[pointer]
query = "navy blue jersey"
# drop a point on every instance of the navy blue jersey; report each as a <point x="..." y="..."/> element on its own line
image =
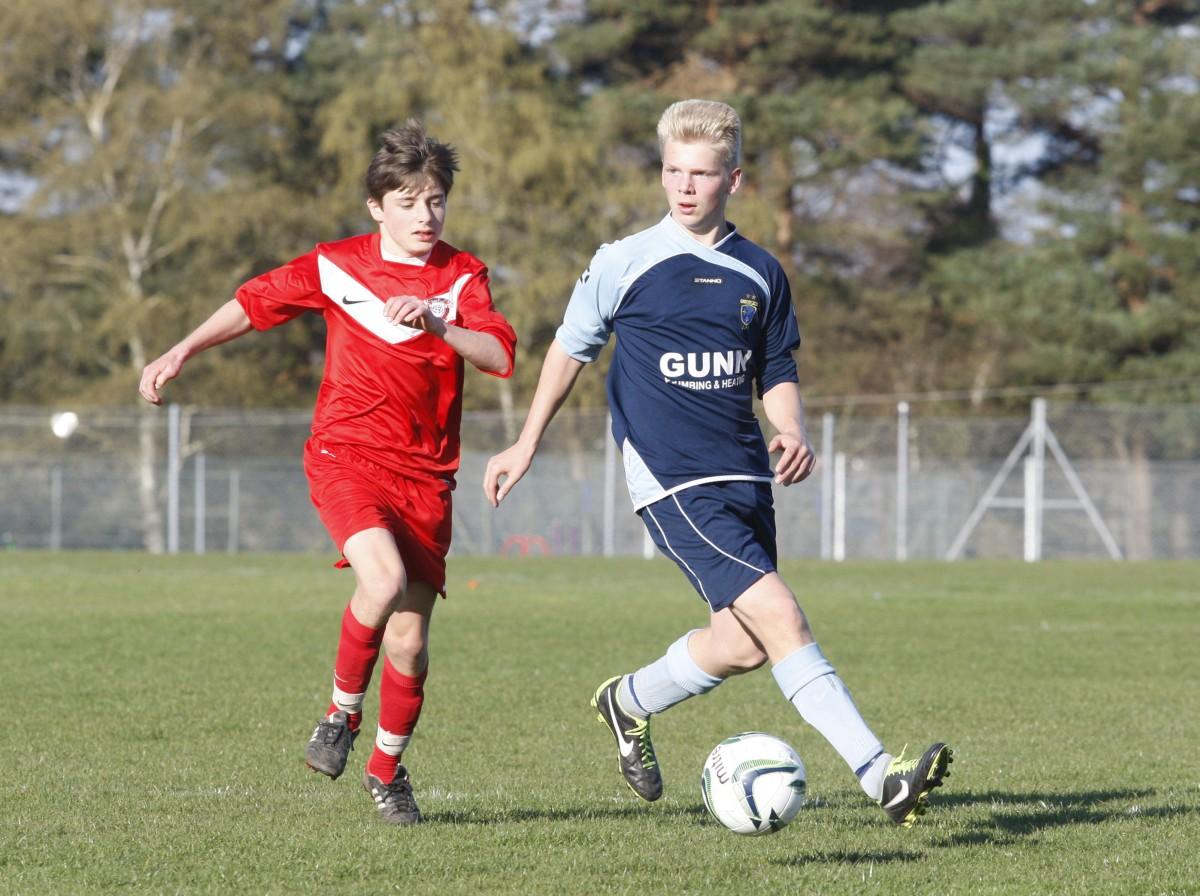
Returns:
<point x="698" y="328"/>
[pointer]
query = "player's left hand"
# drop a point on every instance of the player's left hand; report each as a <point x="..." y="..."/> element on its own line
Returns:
<point x="409" y="311"/>
<point x="504" y="470"/>
<point x="796" y="460"/>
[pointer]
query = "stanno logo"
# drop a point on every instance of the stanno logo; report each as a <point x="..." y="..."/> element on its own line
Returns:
<point x="708" y="281"/>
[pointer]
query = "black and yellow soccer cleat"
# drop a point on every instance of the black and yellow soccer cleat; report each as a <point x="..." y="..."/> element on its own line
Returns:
<point x="635" y="751"/>
<point x="907" y="783"/>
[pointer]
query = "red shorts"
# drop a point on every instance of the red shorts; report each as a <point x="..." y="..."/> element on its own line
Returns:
<point x="352" y="493"/>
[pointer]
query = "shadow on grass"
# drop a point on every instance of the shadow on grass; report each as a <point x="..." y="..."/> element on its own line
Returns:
<point x="1018" y="815"/>
<point x="851" y="857"/>
<point x="580" y="813"/>
<point x="1014" y="817"/>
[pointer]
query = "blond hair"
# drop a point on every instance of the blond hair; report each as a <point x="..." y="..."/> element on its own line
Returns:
<point x="703" y="121"/>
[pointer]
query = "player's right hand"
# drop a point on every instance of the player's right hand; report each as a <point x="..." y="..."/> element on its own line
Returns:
<point x="157" y="374"/>
<point x="512" y="464"/>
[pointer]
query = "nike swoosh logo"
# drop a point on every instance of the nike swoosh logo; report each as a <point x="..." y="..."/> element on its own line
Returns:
<point x="346" y="300"/>
<point x="625" y="746"/>
<point x="900" y="797"/>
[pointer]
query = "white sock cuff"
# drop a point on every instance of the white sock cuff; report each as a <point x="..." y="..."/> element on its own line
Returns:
<point x="392" y="744"/>
<point x="685" y="672"/>
<point x="801" y="668"/>
<point x="872" y="774"/>
<point x="351" y="703"/>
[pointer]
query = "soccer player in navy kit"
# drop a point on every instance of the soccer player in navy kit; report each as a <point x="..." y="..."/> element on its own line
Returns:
<point x="703" y="316"/>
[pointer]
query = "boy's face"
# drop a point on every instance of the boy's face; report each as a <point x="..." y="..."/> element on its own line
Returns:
<point x="410" y="221"/>
<point x="698" y="184"/>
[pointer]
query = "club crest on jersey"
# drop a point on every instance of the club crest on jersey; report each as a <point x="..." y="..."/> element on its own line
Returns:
<point x="747" y="308"/>
<point x="438" y="306"/>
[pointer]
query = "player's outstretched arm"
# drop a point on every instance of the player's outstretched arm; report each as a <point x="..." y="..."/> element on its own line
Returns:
<point x="227" y="322"/>
<point x="558" y="375"/>
<point x="785" y="410"/>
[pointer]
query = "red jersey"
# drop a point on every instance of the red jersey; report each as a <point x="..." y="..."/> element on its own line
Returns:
<point x="392" y="392"/>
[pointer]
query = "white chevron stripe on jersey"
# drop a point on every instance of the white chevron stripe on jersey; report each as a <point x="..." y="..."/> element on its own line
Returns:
<point x="366" y="308"/>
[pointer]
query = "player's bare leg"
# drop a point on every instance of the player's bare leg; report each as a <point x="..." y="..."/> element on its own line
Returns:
<point x="380" y="577"/>
<point x="379" y="580"/>
<point x="401" y="696"/>
<point x="769" y="611"/>
<point x="725" y="647"/>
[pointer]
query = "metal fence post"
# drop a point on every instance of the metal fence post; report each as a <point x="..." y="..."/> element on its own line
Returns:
<point x="902" y="481"/>
<point x="173" y="479"/>
<point x="56" y="508"/>
<point x="826" y="486"/>
<point x="198" y="508"/>
<point x="1035" y="482"/>
<point x="610" y="487"/>
<point x="235" y="500"/>
<point x="839" y="507"/>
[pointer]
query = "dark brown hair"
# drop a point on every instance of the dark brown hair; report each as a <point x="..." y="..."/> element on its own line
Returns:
<point x="408" y="159"/>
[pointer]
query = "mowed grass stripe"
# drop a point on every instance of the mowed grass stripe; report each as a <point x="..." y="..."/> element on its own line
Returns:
<point x="157" y="710"/>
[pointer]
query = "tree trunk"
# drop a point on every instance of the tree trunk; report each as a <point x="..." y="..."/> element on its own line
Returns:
<point x="507" y="411"/>
<point x="980" y="203"/>
<point x="785" y="213"/>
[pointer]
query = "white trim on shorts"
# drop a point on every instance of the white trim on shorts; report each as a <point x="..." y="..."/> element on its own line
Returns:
<point x="679" y="559"/>
<point x="683" y="513"/>
<point x="638" y="504"/>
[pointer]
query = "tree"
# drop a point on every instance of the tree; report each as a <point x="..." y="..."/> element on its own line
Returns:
<point x="135" y="125"/>
<point x="825" y="128"/>
<point x="1106" y="289"/>
<point x="530" y="200"/>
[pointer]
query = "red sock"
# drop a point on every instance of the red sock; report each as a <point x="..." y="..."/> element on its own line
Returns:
<point x="400" y="700"/>
<point x="358" y="648"/>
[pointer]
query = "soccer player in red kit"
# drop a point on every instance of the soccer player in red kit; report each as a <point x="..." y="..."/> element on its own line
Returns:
<point x="403" y="311"/>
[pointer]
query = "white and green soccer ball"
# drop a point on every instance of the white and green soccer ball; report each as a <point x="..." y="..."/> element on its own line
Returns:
<point x="753" y="783"/>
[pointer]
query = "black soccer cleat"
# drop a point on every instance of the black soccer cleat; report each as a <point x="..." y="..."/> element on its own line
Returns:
<point x="330" y="745"/>
<point x="907" y="784"/>
<point x="394" y="801"/>
<point x="635" y="751"/>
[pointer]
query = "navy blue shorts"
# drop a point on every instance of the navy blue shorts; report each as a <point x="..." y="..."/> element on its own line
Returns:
<point x="722" y="535"/>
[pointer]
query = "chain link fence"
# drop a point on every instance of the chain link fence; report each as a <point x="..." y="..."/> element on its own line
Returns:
<point x="1086" y="482"/>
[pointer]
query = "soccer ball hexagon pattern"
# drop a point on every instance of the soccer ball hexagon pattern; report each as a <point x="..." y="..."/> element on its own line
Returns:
<point x="753" y="783"/>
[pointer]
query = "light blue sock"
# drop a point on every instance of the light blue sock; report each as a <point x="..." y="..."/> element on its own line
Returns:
<point x="871" y="775"/>
<point x="809" y="681"/>
<point x="670" y="679"/>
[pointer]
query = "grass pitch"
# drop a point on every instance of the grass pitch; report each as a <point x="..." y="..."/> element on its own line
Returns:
<point x="156" y="711"/>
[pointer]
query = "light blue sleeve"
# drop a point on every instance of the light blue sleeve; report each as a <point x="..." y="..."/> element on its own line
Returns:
<point x="588" y="321"/>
